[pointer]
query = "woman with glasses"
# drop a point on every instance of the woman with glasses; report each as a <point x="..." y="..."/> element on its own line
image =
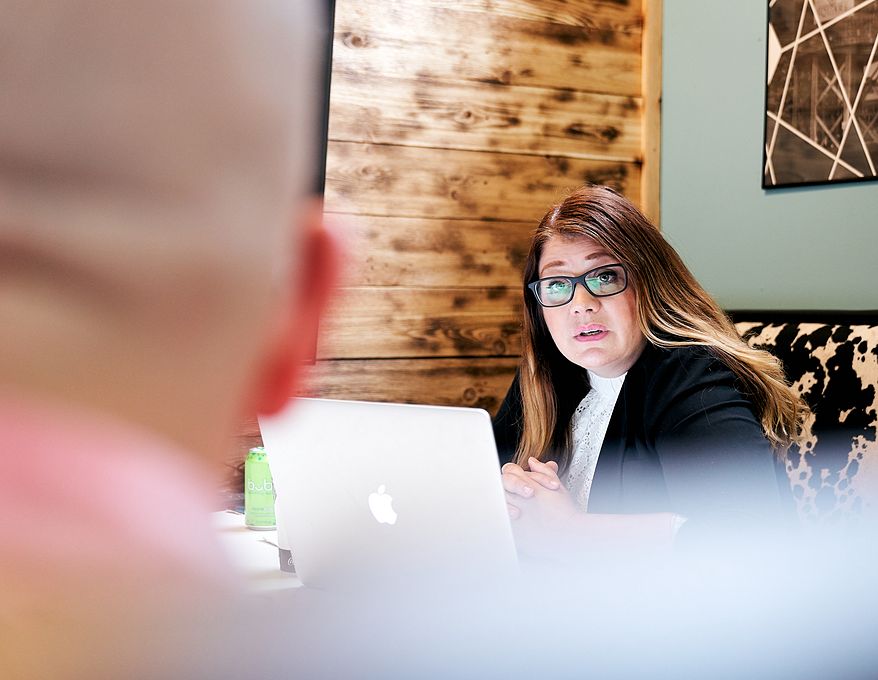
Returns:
<point x="637" y="411"/>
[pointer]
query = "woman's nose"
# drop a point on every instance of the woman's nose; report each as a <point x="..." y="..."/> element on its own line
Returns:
<point x="583" y="301"/>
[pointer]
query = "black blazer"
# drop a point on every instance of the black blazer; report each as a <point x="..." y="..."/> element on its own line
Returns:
<point x="682" y="438"/>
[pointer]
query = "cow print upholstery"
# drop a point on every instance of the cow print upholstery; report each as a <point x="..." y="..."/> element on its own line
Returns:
<point x="834" y="366"/>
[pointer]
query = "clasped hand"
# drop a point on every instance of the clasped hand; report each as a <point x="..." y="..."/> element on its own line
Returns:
<point x="540" y="506"/>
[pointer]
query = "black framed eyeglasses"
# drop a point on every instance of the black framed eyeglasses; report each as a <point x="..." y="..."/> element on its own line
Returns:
<point x="603" y="281"/>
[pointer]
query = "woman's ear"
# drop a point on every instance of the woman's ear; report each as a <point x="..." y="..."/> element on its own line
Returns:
<point x="295" y="338"/>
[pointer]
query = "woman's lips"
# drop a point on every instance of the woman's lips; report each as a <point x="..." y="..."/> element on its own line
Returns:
<point x="590" y="333"/>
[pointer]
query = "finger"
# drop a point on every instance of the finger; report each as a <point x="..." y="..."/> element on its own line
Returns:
<point x="514" y="512"/>
<point x="518" y="484"/>
<point x="512" y="468"/>
<point x="545" y="473"/>
<point x="546" y="481"/>
<point x="550" y="468"/>
<point x="516" y="481"/>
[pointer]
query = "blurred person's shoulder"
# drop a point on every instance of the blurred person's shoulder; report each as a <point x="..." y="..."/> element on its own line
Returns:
<point x="82" y="489"/>
<point x="105" y="533"/>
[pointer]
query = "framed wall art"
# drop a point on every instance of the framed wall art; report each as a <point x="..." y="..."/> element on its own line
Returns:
<point x="821" y="102"/>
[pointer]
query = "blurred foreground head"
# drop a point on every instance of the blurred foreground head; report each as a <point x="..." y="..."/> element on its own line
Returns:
<point x="155" y="224"/>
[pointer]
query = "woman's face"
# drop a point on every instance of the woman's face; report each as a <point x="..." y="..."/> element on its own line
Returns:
<point x="601" y="334"/>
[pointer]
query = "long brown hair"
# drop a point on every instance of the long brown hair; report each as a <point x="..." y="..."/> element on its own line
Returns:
<point x="673" y="310"/>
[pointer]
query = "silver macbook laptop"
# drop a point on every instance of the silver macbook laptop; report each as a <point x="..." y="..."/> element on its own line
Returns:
<point x="387" y="494"/>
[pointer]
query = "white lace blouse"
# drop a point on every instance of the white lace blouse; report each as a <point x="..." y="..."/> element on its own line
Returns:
<point x="588" y="429"/>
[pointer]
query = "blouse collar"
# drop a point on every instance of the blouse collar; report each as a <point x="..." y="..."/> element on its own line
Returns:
<point x="607" y="388"/>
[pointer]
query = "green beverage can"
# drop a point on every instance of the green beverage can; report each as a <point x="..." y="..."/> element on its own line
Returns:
<point x="258" y="491"/>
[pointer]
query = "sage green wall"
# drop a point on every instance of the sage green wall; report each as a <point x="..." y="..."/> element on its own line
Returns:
<point x="802" y="248"/>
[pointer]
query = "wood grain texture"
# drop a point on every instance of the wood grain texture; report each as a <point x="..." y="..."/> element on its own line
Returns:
<point x="377" y="179"/>
<point x="480" y="383"/>
<point x="604" y="15"/>
<point x="476" y="383"/>
<point x="422" y="322"/>
<point x="591" y="48"/>
<point x="410" y="251"/>
<point x="652" y="110"/>
<point x="248" y="431"/>
<point x="482" y="117"/>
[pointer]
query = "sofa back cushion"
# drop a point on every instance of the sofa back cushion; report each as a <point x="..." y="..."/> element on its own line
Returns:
<point x="834" y="366"/>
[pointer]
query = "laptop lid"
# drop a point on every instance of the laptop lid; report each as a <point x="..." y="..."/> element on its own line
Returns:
<point x="387" y="494"/>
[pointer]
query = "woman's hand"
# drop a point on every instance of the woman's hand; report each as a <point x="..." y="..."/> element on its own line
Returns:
<point x="543" y="511"/>
<point x="547" y="524"/>
<point x="520" y="482"/>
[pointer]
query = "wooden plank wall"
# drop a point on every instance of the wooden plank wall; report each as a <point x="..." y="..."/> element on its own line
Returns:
<point x="454" y="126"/>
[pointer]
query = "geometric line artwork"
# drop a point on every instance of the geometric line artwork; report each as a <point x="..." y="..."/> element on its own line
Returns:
<point x="821" y="95"/>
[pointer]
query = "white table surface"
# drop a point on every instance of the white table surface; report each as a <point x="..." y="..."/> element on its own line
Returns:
<point x="253" y="553"/>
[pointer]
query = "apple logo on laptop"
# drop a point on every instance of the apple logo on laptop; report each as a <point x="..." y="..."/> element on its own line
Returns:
<point x="381" y="505"/>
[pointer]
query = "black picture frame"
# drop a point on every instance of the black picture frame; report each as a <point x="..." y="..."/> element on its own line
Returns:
<point x="821" y="93"/>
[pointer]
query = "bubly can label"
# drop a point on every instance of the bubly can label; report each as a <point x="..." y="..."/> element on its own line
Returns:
<point x="258" y="491"/>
